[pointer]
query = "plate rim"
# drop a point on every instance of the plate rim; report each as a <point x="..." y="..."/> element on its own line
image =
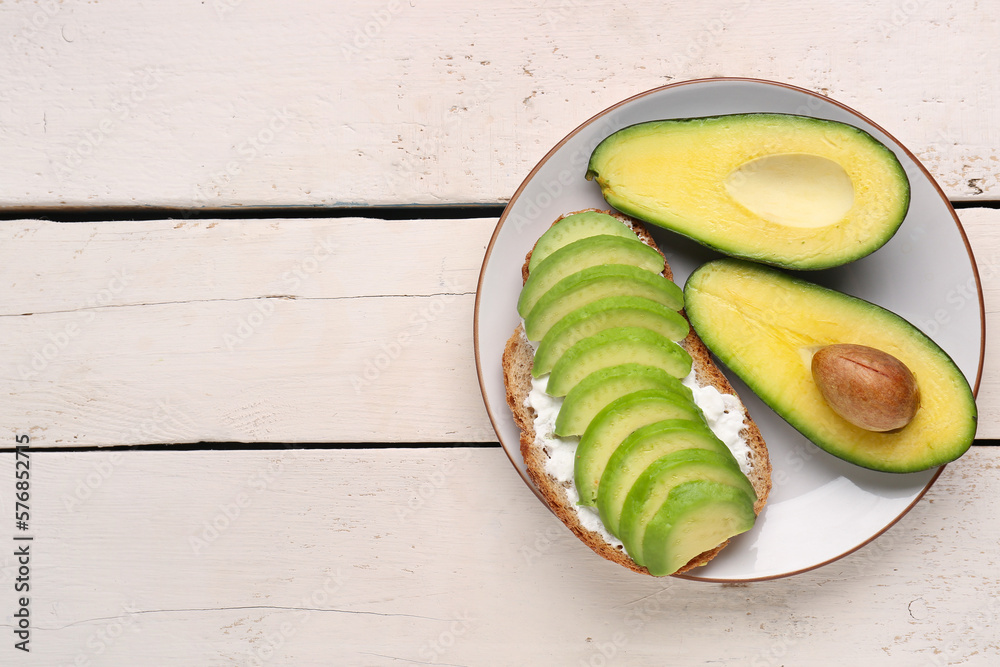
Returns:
<point x="700" y="81"/>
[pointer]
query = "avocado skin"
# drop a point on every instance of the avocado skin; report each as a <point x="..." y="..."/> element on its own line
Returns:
<point x="588" y="285"/>
<point x="729" y="506"/>
<point x="621" y="417"/>
<point x="800" y="252"/>
<point x="611" y="383"/>
<point x="573" y="228"/>
<point x="651" y="491"/>
<point x="640" y="450"/>
<point x="613" y="347"/>
<point x="582" y="254"/>
<point x="602" y="314"/>
<point x="764" y="354"/>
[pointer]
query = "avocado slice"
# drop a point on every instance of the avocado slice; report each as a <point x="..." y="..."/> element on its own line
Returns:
<point x="593" y="392"/>
<point x="786" y="190"/>
<point x="582" y="254"/>
<point x="653" y="486"/>
<point x="766" y="325"/>
<point x="612" y="311"/>
<point x="640" y="450"/>
<point x="698" y="516"/>
<point x="614" y="423"/>
<point x="573" y="228"/>
<point x="612" y="347"/>
<point x="597" y="282"/>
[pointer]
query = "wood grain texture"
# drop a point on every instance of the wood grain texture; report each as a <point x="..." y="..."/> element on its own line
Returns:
<point x="341" y="330"/>
<point x="983" y="229"/>
<point x="443" y="556"/>
<point x="234" y="103"/>
<point x="305" y="330"/>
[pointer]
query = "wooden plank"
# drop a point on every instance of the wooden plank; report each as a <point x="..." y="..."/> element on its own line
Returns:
<point x="305" y="330"/>
<point x="341" y="330"/>
<point x="444" y="556"/>
<point x="983" y="229"/>
<point x="232" y="103"/>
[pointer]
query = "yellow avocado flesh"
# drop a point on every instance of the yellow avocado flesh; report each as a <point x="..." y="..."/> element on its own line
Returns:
<point x="784" y="190"/>
<point x="793" y="189"/>
<point x="766" y="325"/>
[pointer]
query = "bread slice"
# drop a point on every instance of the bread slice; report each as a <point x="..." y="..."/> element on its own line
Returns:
<point x="518" y="357"/>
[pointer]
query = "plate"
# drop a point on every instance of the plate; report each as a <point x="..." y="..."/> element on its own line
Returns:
<point x="820" y="508"/>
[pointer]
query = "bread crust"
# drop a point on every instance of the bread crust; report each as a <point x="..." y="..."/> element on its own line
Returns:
<point x="518" y="357"/>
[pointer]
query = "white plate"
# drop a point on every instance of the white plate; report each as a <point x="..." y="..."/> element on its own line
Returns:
<point x="821" y="508"/>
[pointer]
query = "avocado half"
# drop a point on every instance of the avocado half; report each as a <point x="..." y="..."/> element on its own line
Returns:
<point x="786" y="190"/>
<point x="765" y="325"/>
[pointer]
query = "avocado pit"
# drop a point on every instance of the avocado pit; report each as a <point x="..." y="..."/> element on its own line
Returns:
<point x="868" y="387"/>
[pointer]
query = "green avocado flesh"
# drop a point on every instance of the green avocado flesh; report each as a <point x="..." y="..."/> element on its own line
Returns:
<point x="613" y="347"/>
<point x="608" y="328"/>
<point x="601" y="387"/>
<point x="598" y="282"/>
<point x="639" y="451"/>
<point x="614" y="311"/>
<point x="614" y="423"/>
<point x="573" y="228"/>
<point x="786" y="190"/>
<point x="697" y="516"/>
<point x="652" y="488"/>
<point x="583" y="254"/>
<point x="766" y="325"/>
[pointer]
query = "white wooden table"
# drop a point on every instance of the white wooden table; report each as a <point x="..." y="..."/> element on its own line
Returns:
<point x="261" y="224"/>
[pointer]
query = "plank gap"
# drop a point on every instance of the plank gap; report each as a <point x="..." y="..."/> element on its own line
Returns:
<point x="263" y="446"/>
<point x="116" y="213"/>
<point x="446" y="212"/>
<point x="975" y="203"/>
<point x="278" y="446"/>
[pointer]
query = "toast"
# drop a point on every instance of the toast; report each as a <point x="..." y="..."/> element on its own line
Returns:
<point x="561" y="496"/>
